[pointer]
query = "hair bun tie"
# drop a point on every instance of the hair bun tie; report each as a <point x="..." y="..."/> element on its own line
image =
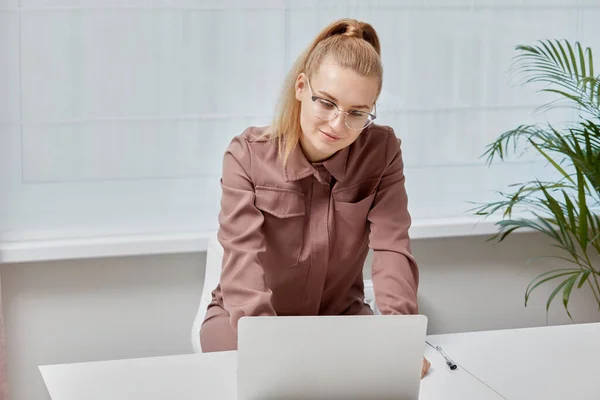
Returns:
<point x="353" y="31"/>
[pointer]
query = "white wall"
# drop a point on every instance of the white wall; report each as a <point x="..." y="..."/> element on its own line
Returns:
<point x="98" y="309"/>
<point x="470" y="284"/>
<point x="117" y="112"/>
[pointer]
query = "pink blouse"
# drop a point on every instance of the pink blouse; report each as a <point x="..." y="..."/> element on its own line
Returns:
<point x="295" y="237"/>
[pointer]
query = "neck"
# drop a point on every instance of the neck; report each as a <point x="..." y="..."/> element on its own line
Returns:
<point x="313" y="155"/>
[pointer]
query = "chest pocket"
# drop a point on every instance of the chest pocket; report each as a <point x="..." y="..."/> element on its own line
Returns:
<point x="351" y="205"/>
<point x="283" y="210"/>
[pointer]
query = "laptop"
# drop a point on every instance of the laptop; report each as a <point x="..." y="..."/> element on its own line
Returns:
<point x="330" y="357"/>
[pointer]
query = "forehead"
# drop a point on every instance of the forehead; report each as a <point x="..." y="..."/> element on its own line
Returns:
<point x="345" y="85"/>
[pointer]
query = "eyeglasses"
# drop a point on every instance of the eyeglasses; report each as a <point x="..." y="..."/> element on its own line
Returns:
<point x="327" y="110"/>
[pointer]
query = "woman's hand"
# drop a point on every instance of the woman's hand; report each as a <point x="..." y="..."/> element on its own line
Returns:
<point x="425" y="367"/>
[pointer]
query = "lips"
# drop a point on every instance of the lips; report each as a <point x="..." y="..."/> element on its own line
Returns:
<point x="329" y="135"/>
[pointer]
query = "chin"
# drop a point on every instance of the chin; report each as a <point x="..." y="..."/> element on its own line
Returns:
<point x="325" y="146"/>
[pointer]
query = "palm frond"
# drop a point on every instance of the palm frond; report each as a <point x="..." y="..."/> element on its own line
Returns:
<point x="566" y="210"/>
<point x="567" y="69"/>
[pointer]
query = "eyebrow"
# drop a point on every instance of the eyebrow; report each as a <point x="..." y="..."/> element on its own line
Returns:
<point x="336" y="100"/>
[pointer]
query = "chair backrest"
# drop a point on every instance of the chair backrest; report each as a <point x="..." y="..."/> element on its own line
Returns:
<point x="212" y="273"/>
<point x="370" y="296"/>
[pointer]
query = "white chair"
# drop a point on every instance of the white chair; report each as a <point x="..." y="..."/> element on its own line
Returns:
<point x="212" y="273"/>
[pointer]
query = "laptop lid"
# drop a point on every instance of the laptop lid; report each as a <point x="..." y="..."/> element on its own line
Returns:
<point x="330" y="357"/>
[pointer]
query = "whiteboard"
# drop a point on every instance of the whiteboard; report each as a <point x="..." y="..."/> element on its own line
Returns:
<point x="114" y="115"/>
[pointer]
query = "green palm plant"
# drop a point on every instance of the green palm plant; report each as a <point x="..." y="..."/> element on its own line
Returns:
<point x="563" y="210"/>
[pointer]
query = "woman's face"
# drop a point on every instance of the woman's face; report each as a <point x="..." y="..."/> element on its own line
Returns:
<point x="340" y="87"/>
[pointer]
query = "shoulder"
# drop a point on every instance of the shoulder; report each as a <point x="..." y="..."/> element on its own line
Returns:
<point x="253" y="150"/>
<point x="249" y="139"/>
<point x="377" y="141"/>
<point x="255" y="134"/>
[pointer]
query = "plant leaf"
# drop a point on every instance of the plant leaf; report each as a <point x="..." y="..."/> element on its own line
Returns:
<point x="583" y="212"/>
<point x="531" y="287"/>
<point x="551" y="161"/>
<point x="567" y="293"/>
<point x="556" y="290"/>
<point x="584" y="277"/>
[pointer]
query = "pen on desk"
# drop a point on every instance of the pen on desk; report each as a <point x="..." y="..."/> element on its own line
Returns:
<point x="449" y="361"/>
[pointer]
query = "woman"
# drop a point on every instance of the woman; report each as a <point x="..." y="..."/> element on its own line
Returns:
<point x="303" y="199"/>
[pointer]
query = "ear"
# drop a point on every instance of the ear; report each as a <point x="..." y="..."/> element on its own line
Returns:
<point x="299" y="85"/>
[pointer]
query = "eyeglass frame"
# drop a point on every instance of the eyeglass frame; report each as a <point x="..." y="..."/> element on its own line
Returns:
<point x="338" y="111"/>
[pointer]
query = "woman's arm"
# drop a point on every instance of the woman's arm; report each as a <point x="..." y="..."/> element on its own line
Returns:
<point x="242" y="278"/>
<point x="394" y="271"/>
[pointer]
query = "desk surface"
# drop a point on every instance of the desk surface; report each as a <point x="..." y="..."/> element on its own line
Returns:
<point x="212" y="375"/>
<point x="556" y="362"/>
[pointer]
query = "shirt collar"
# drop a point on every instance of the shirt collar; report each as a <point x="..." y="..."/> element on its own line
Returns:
<point x="336" y="165"/>
<point x="299" y="167"/>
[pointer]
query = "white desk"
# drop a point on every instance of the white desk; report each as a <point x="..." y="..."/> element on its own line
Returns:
<point x="558" y="362"/>
<point x="211" y="376"/>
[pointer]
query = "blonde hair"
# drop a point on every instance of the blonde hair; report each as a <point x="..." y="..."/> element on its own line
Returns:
<point x="353" y="45"/>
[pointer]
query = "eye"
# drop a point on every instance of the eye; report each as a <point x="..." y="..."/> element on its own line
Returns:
<point x="325" y="104"/>
<point x="355" y="113"/>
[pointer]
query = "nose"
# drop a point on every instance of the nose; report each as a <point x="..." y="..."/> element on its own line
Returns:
<point x="338" y="123"/>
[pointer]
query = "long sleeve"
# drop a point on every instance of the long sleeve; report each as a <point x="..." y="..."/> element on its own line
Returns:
<point x="242" y="282"/>
<point x="394" y="270"/>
